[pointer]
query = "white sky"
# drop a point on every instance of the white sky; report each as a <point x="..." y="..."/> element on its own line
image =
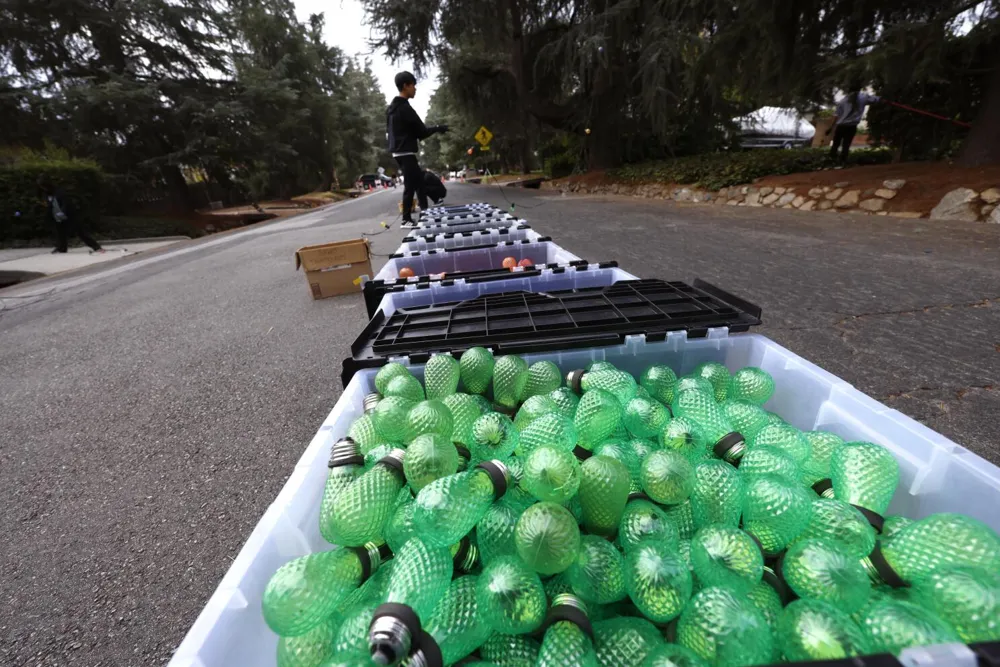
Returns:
<point x="346" y="28"/>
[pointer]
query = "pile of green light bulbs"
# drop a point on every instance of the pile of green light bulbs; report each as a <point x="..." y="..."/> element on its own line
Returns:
<point x="500" y="512"/>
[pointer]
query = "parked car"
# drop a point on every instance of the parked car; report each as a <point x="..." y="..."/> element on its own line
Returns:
<point x="775" y="127"/>
<point x="366" y="181"/>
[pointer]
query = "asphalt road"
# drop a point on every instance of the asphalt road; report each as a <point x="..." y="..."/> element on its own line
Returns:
<point x="154" y="406"/>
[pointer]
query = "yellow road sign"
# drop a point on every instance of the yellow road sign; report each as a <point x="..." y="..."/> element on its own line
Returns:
<point x="484" y="136"/>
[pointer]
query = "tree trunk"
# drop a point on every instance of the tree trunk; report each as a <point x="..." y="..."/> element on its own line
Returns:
<point x="178" y="188"/>
<point x="982" y="146"/>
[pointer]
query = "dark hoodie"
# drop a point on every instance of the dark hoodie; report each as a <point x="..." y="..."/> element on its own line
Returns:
<point x="404" y="127"/>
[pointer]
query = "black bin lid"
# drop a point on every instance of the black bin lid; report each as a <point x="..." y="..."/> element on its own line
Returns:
<point x="524" y="322"/>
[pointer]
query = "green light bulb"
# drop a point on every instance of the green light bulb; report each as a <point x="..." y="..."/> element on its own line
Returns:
<point x="673" y="655"/>
<point x="494" y="436"/>
<point x="708" y="418"/>
<point x="667" y="477"/>
<point x="819" y="569"/>
<point x="552" y="430"/>
<point x="387" y="373"/>
<point x="892" y="525"/>
<point x="725" y="629"/>
<point x="533" y="408"/>
<point x="399" y="528"/>
<point x="547" y="538"/>
<point x="968" y="599"/>
<point x="346" y="464"/>
<point x="510" y="597"/>
<point x="429" y="457"/>
<point x="894" y="625"/>
<point x="557" y="585"/>
<point x="510" y="650"/>
<point x="311" y="649"/>
<point x="747" y="418"/>
<point x="814" y="630"/>
<point x="448" y="508"/>
<point x="625" y="641"/>
<point x="484" y="404"/>
<point x="601" y="365"/>
<point x="681" y="435"/>
<point x="598" y="572"/>
<point x="621" y="451"/>
<point x="643" y="520"/>
<point x="429" y="417"/>
<point x="762" y="460"/>
<point x="936" y="542"/>
<point x="718" y="375"/>
<point x="775" y="511"/>
<point x="379" y="452"/>
<point x="682" y="516"/>
<point x="543" y="377"/>
<point x="358" y="515"/>
<point x="568" y="638"/>
<point x="767" y="601"/>
<point x="843" y="524"/>
<point x="441" y="376"/>
<point x="495" y="531"/>
<point x="644" y="417"/>
<point x="405" y="386"/>
<point x="419" y="579"/>
<point x="641" y="448"/>
<point x="619" y="384"/>
<point x="694" y="383"/>
<point x="352" y="637"/>
<point x="659" y="381"/>
<point x="464" y="413"/>
<point x="784" y="438"/>
<point x="751" y="384"/>
<point x="657" y="580"/>
<point x="717" y="497"/>
<point x="304" y="592"/>
<point x="476" y="369"/>
<point x="565" y="400"/>
<point x="456" y="624"/>
<point x="864" y="474"/>
<point x="364" y="432"/>
<point x="390" y="418"/>
<point x="551" y="474"/>
<point x="510" y="376"/>
<point x="369" y="593"/>
<point x="817" y="465"/>
<point x="727" y="557"/>
<point x="604" y="489"/>
<point x="597" y="416"/>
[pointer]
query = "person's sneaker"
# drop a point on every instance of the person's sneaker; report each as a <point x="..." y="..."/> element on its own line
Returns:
<point x="408" y="224"/>
<point x="57" y="251"/>
<point x="99" y="251"/>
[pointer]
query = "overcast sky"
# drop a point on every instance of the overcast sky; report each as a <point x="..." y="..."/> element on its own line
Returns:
<point x="345" y="27"/>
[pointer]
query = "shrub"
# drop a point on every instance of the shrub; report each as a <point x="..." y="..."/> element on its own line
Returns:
<point x="720" y="170"/>
<point x="560" y="165"/>
<point x="23" y="209"/>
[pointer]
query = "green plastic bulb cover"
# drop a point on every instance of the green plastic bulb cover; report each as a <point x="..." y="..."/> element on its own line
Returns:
<point x="543" y="377"/>
<point x="358" y="515"/>
<point x="823" y="445"/>
<point x="553" y="430"/>
<point x="864" y="474"/>
<point x="717" y="375"/>
<point x="726" y="556"/>
<point x="764" y="460"/>
<point x="642" y="520"/>
<point x="751" y="384"/>
<point x="510" y="376"/>
<point x="597" y="416"/>
<point x="747" y="418"/>
<point x="598" y="573"/>
<point x="841" y="523"/>
<point x="702" y="410"/>
<point x="567" y="642"/>
<point x="533" y="408"/>
<point x="604" y="491"/>
<point x="364" y="432"/>
<point x="429" y="417"/>
<point x="420" y="576"/>
<point x="495" y="531"/>
<point x="441" y="375"/>
<point x="457" y="624"/>
<point x="405" y="386"/>
<point x="345" y="467"/>
<point x="967" y="599"/>
<point x="621" y="451"/>
<point x="673" y="655"/>
<point x="387" y="373"/>
<point x="725" y="629"/>
<point x="681" y="435"/>
<point x="894" y="625"/>
<point x="645" y="417"/>
<point x="625" y="641"/>
<point x="429" y="457"/>
<point x="510" y="597"/>
<point x="551" y="474"/>
<point x="819" y="569"/>
<point x="775" y="511"/>
<point x="657" y="580"/>
<point x="448" y="508"/>
<point x="667" y="477"/>
<point x="464" y="413"/>
<point x="494" y="436"/>
<point x="785" y="438"/>
<point x="311" y="649"/>
<point x="941" y="541"/>
<point x="619" y="384"/>
<point x="717" y="497"/>
<point x="390" y="418"/>
<point x="565" y="401"/>
<point x="476" y="369"/>
<point x="547" y="538"/>
<point x="815" y="630"/>
<point x="399" y="528"/>
<point x="659" y="381"/>
<point x="510" y="650"/>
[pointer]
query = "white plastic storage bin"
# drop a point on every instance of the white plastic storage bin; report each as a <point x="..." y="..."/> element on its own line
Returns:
<point x="427" y="219"/>
<point x="936" y="475"/>
<point x="460" y="289"/>
<point x="460" y="208"/>
<point x="491" y="222"/>
<point x="429" y="262"/>
<point x="477" y="237"/>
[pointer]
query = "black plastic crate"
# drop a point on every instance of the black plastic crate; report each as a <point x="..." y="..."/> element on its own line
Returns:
<point x="523" y="322"/>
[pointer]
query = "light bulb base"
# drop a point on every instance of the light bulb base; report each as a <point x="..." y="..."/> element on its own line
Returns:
<point x="879" y="570"/>
<point x="394" y="461"/>
<point x="466" y="557"/>
<point x="391" y="633"/>
<point x="824" y="488"/>
<point x="427" y="653"/>
<point x="369" y="402"/>
<point x="345" y="452"/>
<point x="730" y="448"/>
<point x="582" y="454"/>
<point x="876" y="520"/>
<point x="568" y="607"/>
<point x="573" y="380"/>
<point x="464" y="455"/>
<point x="499" y="474"/>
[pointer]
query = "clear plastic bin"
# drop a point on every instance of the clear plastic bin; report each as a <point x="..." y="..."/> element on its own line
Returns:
<point x="453" y="217"/>
<point x="937" y="475"/>
<point x="477" y="237"/>
<point x="478" y="258"/>
<point x="491" y="222"/>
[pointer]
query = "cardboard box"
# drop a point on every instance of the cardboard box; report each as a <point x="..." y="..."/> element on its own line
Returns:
<point x="335" y="268"/>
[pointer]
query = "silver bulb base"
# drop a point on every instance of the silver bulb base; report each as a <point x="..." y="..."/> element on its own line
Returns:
<point x="370" y="401"/>
<point x="389" y="641"/>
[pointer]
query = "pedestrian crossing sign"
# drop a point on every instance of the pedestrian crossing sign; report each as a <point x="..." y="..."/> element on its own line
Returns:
<point x="484" y="136"/>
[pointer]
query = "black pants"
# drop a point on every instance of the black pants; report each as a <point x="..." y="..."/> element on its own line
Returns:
<point x="69" y="227"/>
<point x="413" y="182"/>
<point x="843" y="136"/>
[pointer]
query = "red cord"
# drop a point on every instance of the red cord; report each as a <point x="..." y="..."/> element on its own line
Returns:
<point x="928" y="113"/>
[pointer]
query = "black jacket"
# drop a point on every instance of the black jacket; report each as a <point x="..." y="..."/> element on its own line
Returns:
<point x="404" y="128"/>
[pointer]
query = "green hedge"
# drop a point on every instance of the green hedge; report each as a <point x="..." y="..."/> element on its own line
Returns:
<point x="721" y="170"/>
<point x="23" y="208"/>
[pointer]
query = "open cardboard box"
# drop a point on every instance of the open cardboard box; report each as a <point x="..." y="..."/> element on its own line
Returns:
<point x="335" y="268"/>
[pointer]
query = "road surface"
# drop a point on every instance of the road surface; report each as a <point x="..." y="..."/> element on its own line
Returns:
<point x="154" y="406"/>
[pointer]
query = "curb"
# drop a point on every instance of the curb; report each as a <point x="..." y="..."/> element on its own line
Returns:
<point x="144" y="239"/>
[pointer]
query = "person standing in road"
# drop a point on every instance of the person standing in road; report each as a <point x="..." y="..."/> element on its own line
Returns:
<point x="846" y="118"/>
<point x="60" y="212"/>
<point x="404" y="130"/>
